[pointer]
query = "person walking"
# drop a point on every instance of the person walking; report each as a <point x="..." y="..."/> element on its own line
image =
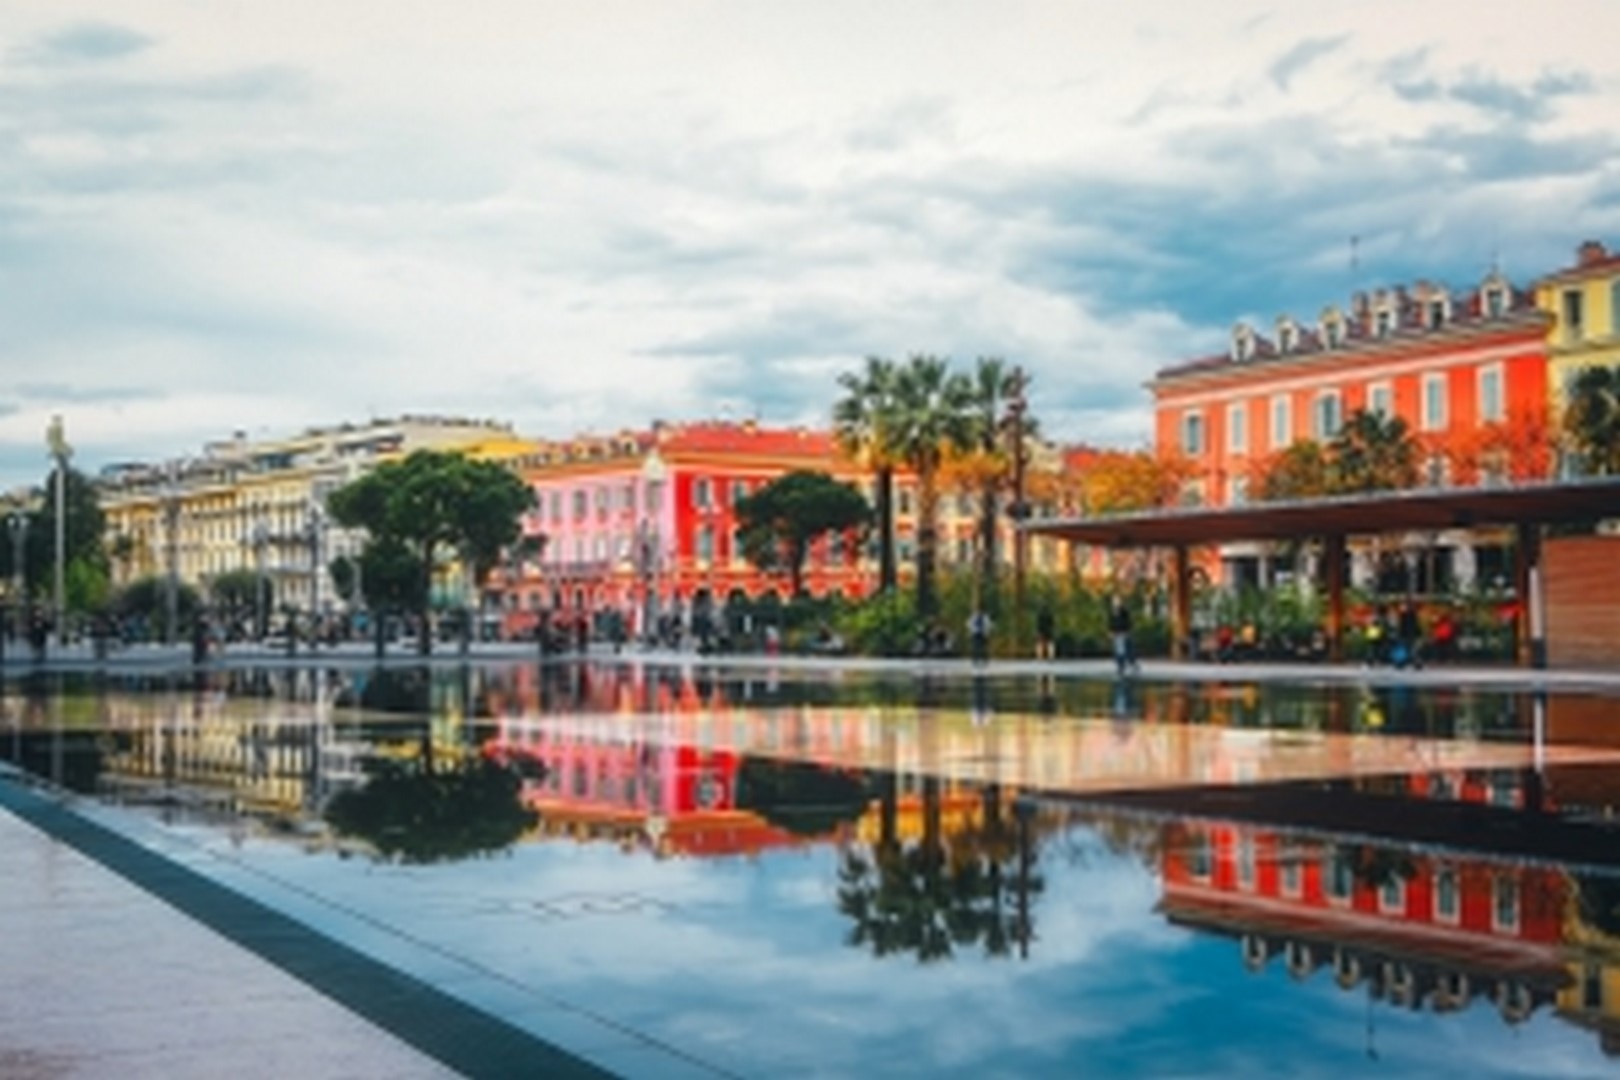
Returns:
<point x="1408" y="636"/>
<point x="1119" y="626"/>
<point x="979" y="636"/>
<point x="1045" y="633"/>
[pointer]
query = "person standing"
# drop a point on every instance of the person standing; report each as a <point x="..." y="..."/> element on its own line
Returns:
<point x="979" y="636"/>
<point x="1119" y="626"/>
<point x="1045" y="633"/>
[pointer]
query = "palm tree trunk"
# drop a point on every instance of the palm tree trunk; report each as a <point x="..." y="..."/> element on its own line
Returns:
<point x="988" y="513"/>
<point x="887" y="577"/>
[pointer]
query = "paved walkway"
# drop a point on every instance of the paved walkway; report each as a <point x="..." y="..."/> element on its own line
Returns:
<point x="117" y="961"/>
<point x="104" y="979"/>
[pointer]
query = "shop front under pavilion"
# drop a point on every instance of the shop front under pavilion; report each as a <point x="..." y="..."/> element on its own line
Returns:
<point x="1525" y="508"/>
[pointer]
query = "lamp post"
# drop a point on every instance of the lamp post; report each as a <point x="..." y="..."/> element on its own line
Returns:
<point x="19" y="571"/>
<point x="56" y="440"/>
<point x="315" y="521"/>
<point x="261" y="537"/>
<point x="171" y="522"/>
<point x="1017" y="406"/>
<point x="647" y="547"/>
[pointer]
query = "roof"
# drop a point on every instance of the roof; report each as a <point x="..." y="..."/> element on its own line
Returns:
<point x="1422" y="509"/>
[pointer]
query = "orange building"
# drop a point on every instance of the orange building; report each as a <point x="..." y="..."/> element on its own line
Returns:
<point x="1466" y="370"/>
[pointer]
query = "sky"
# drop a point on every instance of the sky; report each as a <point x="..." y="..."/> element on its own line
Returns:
<point x="221" y="216"/>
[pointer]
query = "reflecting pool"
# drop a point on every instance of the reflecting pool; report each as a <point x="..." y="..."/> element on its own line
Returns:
<point x="831" y="875"/>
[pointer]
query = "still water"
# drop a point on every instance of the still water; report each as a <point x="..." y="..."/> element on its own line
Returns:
<point x="829" y="875"/>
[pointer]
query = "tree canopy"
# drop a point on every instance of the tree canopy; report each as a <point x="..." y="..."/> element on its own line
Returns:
<point x="778" y="523"/>
<point x="1373" y="452"/>
<point x="1592" y="419"/>
<point x="85" y="572"/>
<point x="421" y="506"/>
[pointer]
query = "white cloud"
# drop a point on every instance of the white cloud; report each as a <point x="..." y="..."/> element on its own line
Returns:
<point x="573" y="217"/>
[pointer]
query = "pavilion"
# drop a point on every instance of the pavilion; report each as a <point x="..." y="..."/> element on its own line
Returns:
<point x="1525" y="507"/>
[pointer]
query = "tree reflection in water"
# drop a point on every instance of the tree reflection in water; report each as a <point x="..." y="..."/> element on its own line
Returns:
<point x="933" y="897"/>
<point x="416" y="813"/>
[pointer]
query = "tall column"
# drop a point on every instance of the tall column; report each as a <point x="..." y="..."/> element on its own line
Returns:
<point x="1530" y="621"/>
<point x="1180" y="604"/>
<point x="1333" y="556"/>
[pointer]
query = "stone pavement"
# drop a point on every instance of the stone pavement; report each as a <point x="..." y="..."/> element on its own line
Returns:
<point x="103" y="979"/>
<point x="115" y="961"/>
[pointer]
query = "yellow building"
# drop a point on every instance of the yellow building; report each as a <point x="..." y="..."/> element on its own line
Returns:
<point x="1584" y="300"/>
<point x="260" y="505"/>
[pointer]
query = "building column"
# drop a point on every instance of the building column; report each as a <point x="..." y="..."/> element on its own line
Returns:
<point x="1530" y="644"/>
<point x="1333" y="556"/>
<point x="1180" y="604"/>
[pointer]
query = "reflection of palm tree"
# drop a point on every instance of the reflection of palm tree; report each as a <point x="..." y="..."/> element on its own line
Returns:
<point x="932" y="898"/>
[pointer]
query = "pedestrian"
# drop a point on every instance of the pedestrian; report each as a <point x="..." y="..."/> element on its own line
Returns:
<point x="1119" y="626"/>
<point x="1409" y="635"/>
<point x="1045" y="633"/>
<point x="979" y="635"/>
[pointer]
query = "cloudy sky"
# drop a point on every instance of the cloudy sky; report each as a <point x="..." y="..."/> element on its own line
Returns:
<point x="571" y="216"/>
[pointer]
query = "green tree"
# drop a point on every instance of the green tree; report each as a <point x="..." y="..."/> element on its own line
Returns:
<point x="86" y="564"/>
<point x="1300" y="472"/>
<point x="145" y="601"/>
<point x="863" y="425"/>
<point x="995" y="386"/>
<point x="932" y="418"/>
<point x="431" y="503"/>
<point x="1373" y="452"/>
<point x="239" y="595"/>
<point x="1592" y="420"/>
<point x="778" y="522"/>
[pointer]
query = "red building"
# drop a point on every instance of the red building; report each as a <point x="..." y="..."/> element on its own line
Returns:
<point x="640" y="527"/>
<point x="1466" y="371"/>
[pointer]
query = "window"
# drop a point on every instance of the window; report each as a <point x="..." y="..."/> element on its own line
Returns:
<point x="1380" y="400"/>
<point x="903" y="497"/>
<point x="1392" y="895"/>
<point x="653" y="495"/>
<point x="705" y="543"/>
<point x="1495" y="302"/>
<point x="1437" y="314"/>
<point x="627" y="498"/>
<point x="1505" y="905"/>
<point x="837" y="550"/>
<point x="1199" y="861"/>
<point x="1282" y="423"/>
<point x="1490" y="394"/>
<point x="1573" y="313"/>
<point x="739" y="491"/>
<point x="1237" y="427"/>
<point x="1192" y="433"/>
<point x="1446" y="907"/>
<point x="1237" y="490"/>
<point x="1333" y="332"/>
<point x="702" y="493"/>
<point x="1289" y="870"/>
<point x="581" y="504"/>
<point x="1385" y="322"/>
<point x="1341" y="876"/>
<point x="1614" y="308"/>
<point x="1326" y="418"/>
<point x="1245" y="862"/>
<point x="1287" y="337"/>
<point x="1434" y="402"/>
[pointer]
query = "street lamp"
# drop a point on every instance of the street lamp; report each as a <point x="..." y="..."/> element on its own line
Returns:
<point x="315" y="521"/>
<point x="171" y="522"/>
<point x="647" y="549"/>
<point x="1017" y="406"/>
<point x="261" y="537"/>
<point x="56" y="440"/>
<point x="19" y="570"/>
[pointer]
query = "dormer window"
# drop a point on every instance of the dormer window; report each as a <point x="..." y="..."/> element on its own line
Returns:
<point x="1333" y="330"/>
<point x="1385" y="322"/>
<point x="1435" y="313"/>
<point x="1242" y="343"/>
<point x="1494" y="296"/>
<point x="1287" y="335"/>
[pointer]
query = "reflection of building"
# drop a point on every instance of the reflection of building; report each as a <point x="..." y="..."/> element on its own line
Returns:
<point x="1414" y="927"/>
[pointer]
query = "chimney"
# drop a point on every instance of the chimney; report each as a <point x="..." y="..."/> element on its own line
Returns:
<point x="1590" y="253"/>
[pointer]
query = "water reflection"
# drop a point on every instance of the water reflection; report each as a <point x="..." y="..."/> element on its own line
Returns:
<point x="1418" y="849"/>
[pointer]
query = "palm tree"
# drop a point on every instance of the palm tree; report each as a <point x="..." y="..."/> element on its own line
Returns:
<point x="933" y="416"/>
<point x="993" y="386"/>
<point x="1592" y="419"/>
<point x="862" y="422"/>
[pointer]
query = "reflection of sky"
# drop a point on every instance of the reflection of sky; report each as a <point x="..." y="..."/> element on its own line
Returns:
<point x="742" y="963"/>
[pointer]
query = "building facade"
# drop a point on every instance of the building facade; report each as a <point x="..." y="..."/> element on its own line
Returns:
<point x="1467" y="370"/>
<point x="260" y="505"/>
<point x="1583" y="300"/>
